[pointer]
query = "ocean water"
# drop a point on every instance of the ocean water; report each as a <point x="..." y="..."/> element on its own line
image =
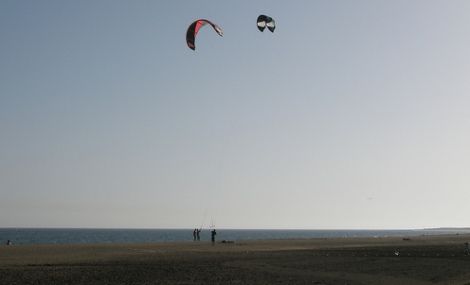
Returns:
<point x="80" y="236"/>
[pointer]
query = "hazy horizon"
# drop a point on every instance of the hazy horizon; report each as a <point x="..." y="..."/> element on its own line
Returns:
<point x="350" y="115"/>
<point x="450" y="229"/>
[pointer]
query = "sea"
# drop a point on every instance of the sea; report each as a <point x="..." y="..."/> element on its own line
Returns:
<point x="30" y="236"/>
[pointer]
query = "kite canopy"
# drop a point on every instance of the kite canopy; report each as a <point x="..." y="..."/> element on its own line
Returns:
<point x="265" y="21"/>
<point x="194" y="28"/>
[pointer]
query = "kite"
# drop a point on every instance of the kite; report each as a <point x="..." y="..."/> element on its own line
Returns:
<point x="194" y="28"/>
<point x="266" y="21"/>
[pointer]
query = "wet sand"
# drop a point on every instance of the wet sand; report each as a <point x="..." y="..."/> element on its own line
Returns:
<point x="420" y="260"/>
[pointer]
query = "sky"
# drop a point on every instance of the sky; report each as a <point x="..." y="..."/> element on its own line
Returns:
<point x="351" y="115"/>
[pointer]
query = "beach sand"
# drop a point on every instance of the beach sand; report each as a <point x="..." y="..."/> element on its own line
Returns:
<point x="420" y="260"/>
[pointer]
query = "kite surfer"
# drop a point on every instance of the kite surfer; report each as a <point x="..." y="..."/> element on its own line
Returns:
<point x="213" y="233"/>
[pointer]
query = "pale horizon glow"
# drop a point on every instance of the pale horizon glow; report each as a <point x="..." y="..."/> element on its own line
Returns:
<point x="351" y="115"/>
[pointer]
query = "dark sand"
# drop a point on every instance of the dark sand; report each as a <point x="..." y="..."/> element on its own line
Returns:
<point x="422" y="260"/>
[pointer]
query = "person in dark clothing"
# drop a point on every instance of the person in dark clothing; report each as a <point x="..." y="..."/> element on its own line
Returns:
<point x="198" y="232"/>
<point x="213" y="233"/>
<point x="194" y="234"/>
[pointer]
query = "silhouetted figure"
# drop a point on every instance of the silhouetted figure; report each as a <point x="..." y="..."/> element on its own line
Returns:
<point x="213" y="233"/>
<point x="194" y="234"/>
<point x="198" y="234"/>
<point x="9" y="242"/>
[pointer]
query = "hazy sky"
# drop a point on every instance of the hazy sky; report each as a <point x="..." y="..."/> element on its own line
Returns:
<point x="352" y="114"/>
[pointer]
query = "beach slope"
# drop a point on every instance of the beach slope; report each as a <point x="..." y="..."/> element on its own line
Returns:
<point x="415" y="260"/>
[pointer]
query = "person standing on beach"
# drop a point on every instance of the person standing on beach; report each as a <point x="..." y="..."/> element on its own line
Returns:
<point x="198" y="232"/>
<point x="194" y="234"/>
<point x="213" y="233"/>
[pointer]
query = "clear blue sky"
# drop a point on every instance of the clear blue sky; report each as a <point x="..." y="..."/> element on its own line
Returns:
<point x="353" y="114"/>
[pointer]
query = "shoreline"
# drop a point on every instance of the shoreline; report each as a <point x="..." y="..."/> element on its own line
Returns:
<point x="36" y="251"/>
<point x="56" y="236"/>
<point x="275" y="242"/>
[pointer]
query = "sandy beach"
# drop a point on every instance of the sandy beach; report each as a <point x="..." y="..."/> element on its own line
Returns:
<point x="416" y="260"/>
